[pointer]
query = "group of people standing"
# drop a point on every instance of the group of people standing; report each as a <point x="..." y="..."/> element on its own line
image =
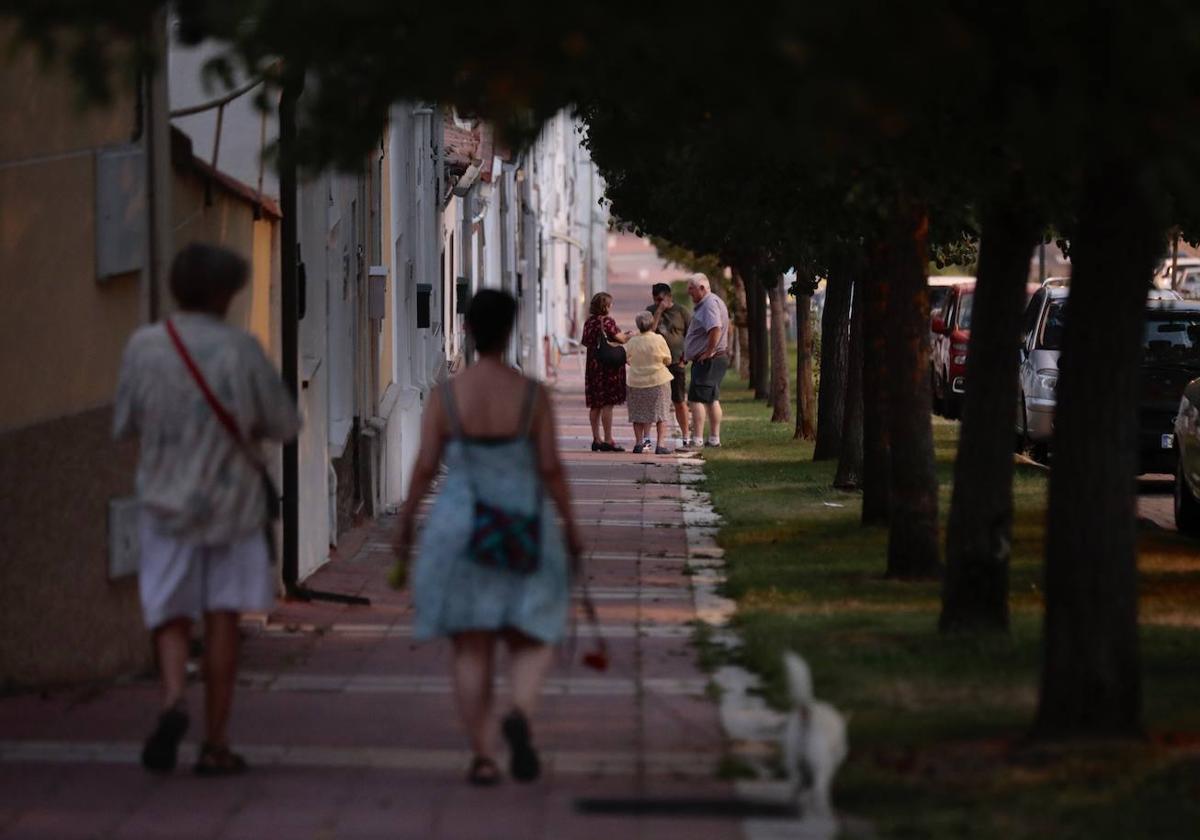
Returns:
<point x="651" y="375"/>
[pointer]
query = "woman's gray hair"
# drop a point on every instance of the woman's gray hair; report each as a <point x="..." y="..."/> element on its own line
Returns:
<point x="644" y="321"/>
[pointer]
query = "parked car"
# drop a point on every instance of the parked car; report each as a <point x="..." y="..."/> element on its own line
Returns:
<point x="1041" y="336"/>
<point x="1187" y="463"/>
<point x="951" y="333"/>
<point x="939" y="286"/>
<point x="1170" y="360"/>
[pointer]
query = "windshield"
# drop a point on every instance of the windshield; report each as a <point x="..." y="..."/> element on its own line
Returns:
<point x="964" y="310"/>
<point x="1173" y="339"/>
<point x="1052" y="329"/>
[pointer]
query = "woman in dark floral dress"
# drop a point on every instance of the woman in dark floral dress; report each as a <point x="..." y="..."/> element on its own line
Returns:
<point x="604" y="385"/>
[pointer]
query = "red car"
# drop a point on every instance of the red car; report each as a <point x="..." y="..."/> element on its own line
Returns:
<point x="951" y="328"/>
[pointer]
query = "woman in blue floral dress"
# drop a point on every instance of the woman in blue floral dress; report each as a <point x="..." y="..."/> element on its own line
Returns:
<point x="495" y="431"/>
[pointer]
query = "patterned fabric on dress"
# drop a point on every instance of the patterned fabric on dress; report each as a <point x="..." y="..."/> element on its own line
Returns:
<point x="452" y="591"/>
<point x="650" y="405"/>
<point x="603" y="384"/>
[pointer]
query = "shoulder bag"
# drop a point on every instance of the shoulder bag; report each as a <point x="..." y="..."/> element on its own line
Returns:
<point x="230" y="425"/>
<point x="608" y="353"/>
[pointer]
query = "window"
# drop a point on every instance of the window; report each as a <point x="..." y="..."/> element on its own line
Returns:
<point x="1052" y="328"/>
<point x="965" y="301"/>
<point x="1172" y="339"/>
<point x="1032" y="312"/>
<point x="937" y="297"/>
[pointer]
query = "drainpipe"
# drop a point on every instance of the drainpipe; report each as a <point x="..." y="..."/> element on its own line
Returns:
<point x="157" y="141"/>
<point x="289" y="305"/>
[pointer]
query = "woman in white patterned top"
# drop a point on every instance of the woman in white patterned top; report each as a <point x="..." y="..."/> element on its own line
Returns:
<point x="204" y="551"/>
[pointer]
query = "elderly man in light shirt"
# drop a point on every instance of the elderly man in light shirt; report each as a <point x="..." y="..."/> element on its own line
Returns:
<point x="204" y="549"/>
<point x="706" y="347"/>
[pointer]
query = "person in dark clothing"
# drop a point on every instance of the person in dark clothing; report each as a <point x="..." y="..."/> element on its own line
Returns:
<point x="671" y="321"/>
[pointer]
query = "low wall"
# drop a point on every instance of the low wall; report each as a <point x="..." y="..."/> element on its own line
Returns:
<point x="61" y="619"/>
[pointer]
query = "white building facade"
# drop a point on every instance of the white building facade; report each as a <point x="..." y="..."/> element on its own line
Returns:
<point x="389" y="255"/>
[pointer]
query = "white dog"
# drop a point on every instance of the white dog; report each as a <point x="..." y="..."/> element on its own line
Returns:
<point x="814" y="741"/>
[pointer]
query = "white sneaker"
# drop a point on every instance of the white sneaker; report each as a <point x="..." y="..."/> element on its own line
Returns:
<point x="647" y="444"/>
<point x="712" y="441"/>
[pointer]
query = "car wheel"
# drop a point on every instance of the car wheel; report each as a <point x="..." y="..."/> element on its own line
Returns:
<point x="1041" y="453"/>
<point x="953" y="406"/>
<point x="1187" y="509"/>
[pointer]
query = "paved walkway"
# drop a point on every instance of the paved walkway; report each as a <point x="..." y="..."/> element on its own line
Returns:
<point x="351" y="725"/>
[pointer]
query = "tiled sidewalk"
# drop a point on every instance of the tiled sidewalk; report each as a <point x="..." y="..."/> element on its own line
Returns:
<point x="351" y="727"/>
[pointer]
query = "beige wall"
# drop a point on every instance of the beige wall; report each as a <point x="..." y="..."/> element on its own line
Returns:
<point x="61" y="336"/>
<point x="61" y="619"/>
<point x="41" y="111"/>
<point x="229" y="221"/>
<point x="61" y="331"/>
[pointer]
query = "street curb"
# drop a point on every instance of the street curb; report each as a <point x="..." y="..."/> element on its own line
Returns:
<point x="752" y="729"/>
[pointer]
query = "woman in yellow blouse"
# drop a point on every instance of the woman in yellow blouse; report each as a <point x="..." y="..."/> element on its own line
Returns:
<point x="649" y="384"/>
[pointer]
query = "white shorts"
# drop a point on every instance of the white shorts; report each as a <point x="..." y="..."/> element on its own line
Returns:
<point x="179" y="579"/>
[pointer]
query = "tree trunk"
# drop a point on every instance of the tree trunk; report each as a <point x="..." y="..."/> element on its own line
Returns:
<point x="1090" y="674"/>
<point x="780" y="403"/>
<point x="741" y="336"/>
<point x="835" y="351"/>
<point x="850" y="456"/>
<point x="806" y="398"/>
<point x="877" y="459"/>
<point x="979" y="534"/>
<point x="759" y="356"/>
<point x="913" y="534"/>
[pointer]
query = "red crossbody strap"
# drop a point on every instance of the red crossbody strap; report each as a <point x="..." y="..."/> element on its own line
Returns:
<point x="225" y="418"/>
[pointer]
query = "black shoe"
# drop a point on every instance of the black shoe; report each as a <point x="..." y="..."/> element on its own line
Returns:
<point x="597" y="446"/>
<point x="611" y="447"/>
<point x="483" y="772"/>
<point x="162" y="747"/>
<point x="219" y="761"/>
<point x="524" y="764"/>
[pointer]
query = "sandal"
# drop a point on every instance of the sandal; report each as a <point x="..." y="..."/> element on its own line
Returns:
<point x="219" y="761"/>
<point x="162" y="747"/>
<point x="483" y="772"/>
<point x="524" y="764"/>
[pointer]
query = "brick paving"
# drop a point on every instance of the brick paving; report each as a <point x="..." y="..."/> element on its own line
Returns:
<point x="350" y="723"/>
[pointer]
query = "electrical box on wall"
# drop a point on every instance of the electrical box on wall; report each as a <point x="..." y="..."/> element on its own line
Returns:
<point x="124" y="547"/>
<point x="377" y="292"/>
<point x="120" y="210"/>
<point x="424" y="305"/>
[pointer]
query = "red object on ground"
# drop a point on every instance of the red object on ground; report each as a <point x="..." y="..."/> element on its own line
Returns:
<point x="596" y="659"/>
